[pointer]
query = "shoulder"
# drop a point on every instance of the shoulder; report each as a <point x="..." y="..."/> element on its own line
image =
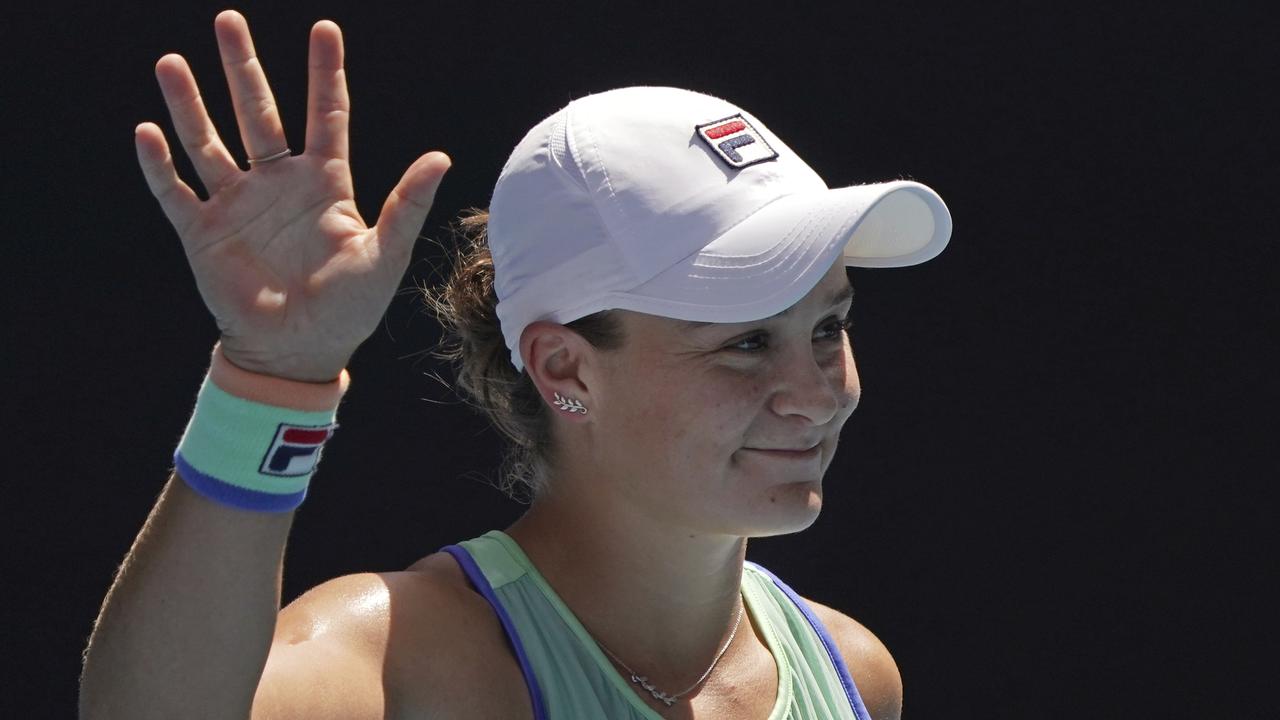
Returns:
<point x="324" y="655"/>
<point x="365" y="613"/>
<point x="406" y="643"/>
<point x="870" y="663"/>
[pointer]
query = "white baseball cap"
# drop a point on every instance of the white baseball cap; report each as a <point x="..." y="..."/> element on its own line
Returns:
<point x="673" y="203"/>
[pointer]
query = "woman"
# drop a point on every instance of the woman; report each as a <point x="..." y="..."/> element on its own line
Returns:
<point x="653" y="311"/>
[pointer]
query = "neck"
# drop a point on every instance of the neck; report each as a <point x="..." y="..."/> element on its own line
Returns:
<point x="664" y="600"/>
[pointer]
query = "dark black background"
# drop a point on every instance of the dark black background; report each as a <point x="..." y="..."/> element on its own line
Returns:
<point x="1054" y="498"/>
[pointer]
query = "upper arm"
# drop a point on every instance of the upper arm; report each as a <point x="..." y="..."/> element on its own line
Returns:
<point x="326" y="655"/>
<point x="872" y="667"/>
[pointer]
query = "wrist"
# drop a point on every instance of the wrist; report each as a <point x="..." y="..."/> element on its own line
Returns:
<point x="305" y="367"/>
<point x="254" y="440"/>
<point x="276" y="389"/>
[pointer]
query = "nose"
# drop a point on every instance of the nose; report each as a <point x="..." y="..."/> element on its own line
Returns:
<point x="817" y="388"/>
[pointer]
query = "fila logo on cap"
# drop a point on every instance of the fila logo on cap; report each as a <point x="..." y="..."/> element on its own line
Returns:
<point x="736" y="142"/>
<point x="296" y="450"/>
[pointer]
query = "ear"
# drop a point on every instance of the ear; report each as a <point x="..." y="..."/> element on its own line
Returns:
<point x="555" y="358"/>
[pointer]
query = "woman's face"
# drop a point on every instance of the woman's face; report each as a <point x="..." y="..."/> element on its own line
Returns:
<point x="729" y="428"/>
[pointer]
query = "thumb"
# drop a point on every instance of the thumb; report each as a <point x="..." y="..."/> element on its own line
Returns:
<point x="406" y="207"/>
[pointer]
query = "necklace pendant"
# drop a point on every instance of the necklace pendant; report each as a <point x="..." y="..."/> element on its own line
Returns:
<point x="655" y="692"/>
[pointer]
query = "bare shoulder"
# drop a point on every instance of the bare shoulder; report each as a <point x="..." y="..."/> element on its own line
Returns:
<point x="409" y="644"/>
<point x="869" y="661"/>
<point x="325" y="657"/>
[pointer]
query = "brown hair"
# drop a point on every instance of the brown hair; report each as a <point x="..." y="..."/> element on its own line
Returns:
<point x="466" y="306"/>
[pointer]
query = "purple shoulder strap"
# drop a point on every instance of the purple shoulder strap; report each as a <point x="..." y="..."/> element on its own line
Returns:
<point x="850" y="689"/>
<point x="482" y="585"/>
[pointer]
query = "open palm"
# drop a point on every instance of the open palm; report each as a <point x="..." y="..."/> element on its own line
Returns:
<point x="281" y="256"/>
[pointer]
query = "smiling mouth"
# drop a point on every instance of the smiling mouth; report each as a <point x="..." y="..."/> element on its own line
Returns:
<point x="788" y="454"/>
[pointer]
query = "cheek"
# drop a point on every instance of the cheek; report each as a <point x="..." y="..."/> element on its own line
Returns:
<point x="727" y="410"/>
<point x="704" y="419"/>
<point x="653" y="406"/>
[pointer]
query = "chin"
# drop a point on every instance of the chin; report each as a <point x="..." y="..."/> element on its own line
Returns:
<point x="786" y="509"/>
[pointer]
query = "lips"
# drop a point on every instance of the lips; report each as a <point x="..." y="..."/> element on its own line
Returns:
<point x="786" y="452"/>
<point x="792" y="448"/>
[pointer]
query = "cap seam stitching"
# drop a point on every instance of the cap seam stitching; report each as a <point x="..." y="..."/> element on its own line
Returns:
<point x="595" y="146"/>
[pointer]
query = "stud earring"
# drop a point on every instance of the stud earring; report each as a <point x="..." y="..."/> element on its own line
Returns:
<point x="569" y="404"/>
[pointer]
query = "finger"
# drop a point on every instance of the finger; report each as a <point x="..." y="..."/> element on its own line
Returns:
<point x="199" y="138"/>
<point x="406" y="207"/>
<point x="328" y="104"/>
<point x="260" y="128"/>
<point x="179" y="201"/>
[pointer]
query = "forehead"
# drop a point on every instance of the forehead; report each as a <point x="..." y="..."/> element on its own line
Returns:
<point x="833" y="289"/>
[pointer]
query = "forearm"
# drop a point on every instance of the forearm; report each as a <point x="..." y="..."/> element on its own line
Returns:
<point x="186" y="627"/>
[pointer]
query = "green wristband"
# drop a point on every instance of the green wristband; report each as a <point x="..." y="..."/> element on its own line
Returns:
<point x="249" y="454"/>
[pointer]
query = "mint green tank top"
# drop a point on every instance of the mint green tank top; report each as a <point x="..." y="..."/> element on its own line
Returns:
<point x="570" y="678"/>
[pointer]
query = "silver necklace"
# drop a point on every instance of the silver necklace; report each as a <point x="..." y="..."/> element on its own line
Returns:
<point x="643" y="681"/>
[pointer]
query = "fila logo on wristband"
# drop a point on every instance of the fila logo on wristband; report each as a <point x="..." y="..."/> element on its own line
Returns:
<point x="296" y="449"/>
<point x="736" y="142"/>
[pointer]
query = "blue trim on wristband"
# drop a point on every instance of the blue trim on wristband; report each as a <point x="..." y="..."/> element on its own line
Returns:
<point x="234" y="495"/>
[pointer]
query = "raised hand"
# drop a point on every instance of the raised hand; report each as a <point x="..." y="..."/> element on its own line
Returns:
<point x="294" y="277"/>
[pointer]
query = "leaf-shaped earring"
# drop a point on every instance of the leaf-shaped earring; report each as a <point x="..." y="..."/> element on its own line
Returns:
<point x="569" y="404"/>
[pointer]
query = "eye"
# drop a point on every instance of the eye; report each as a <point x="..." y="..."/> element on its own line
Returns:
<point x="832" y="330"/>
<point x="752" y="343"/>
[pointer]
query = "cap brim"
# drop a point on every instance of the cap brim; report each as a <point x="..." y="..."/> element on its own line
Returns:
<point x="773" y="258"/>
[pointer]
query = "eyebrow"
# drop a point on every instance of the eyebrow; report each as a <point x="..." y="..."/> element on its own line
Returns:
<point x="842" y="295"/>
